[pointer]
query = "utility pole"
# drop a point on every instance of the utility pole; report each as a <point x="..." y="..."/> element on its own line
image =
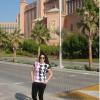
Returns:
<point x="60" y="36"/>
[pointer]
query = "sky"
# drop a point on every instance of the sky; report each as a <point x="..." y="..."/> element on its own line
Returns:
<point x="9" y="10"/>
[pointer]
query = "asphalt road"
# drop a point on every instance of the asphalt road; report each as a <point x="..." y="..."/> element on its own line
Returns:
<point x="15" y="80"/>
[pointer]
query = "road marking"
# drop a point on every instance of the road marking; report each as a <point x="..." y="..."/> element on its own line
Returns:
<point x="76" y="71"/>
<point x="19" y="83"/>
<point x="85" y="73"/>
<point x="72" y="75"/>
<point x="91" y="93"/>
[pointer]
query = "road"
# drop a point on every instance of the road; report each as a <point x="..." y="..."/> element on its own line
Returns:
<point x="15" y="81"/>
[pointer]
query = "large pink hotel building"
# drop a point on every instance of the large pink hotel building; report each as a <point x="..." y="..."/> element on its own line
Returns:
<point x="48" y="11"/>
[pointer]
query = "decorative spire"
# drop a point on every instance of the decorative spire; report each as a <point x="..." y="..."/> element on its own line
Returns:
<point x="23" y="1"/>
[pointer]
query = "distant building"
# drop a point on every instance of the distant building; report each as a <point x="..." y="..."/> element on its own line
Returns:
<point x="8" y="27"/>
<point x="48" y="11"/>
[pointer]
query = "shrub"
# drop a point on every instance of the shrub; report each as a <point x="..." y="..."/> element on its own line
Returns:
<point x="50" y="50"/>
<point x="24" y="53"/>
<point x="30" y="46"/>
<point x="87" y="68"/>
<point x="97" y="69"/>
<point x="91" y="69"/>
<point x="75" y="46"/>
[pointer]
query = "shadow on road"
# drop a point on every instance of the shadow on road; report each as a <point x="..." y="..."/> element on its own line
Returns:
<point x="20" y="96"/>
<point x="70" y="96"/>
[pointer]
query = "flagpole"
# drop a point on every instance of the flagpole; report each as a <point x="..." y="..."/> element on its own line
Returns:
<point x="60" y="40"/>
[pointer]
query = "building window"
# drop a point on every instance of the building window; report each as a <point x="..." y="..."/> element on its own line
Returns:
<point x="62" y="5"/>
<point x="35" y="12"/>
<point x="52" y="29"/>
<point x="71" y="27"/>
<point x="72" y="6"/>
<point x="78" y="5"/>
<point x="68" y="9"/>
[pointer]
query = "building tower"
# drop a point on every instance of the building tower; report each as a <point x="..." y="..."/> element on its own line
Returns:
<point x="40" y="8"/>
<point x="23" y="4"/>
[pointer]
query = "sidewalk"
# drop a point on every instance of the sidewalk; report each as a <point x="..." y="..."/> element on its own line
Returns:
<point x="87" y="93"/>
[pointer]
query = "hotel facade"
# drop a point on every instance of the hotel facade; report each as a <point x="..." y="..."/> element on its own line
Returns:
<point x="8" y="27"/>
<point x="48" y="12"/>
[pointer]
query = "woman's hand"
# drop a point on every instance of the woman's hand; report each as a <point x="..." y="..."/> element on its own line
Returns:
<point x="46" y="81"/>
<point x="32" y="81"/>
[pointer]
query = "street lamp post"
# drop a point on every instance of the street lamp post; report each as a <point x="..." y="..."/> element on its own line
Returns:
<point x="60" y="37"/>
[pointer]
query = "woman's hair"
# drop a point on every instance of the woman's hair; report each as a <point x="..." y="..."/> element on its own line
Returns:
<point x="46" y="58"/>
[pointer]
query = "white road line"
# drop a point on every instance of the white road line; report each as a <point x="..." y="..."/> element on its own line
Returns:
<point x="72" y="75"/>
<point x="77" y="71"/>
<point x="85" y="73"/>
<point x="91" y="93"/>
<point x="19" y="83"/>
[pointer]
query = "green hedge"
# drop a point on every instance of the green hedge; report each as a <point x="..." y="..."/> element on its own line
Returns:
<point x="75" y="45"/>
<point x="50" y="50"/>
<point x="30" y="46"/>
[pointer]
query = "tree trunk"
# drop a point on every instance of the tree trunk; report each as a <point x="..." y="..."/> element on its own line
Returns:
<point x="14" y="54"/>
<point x="39" y="50"/>
<point x="90" y="53"/>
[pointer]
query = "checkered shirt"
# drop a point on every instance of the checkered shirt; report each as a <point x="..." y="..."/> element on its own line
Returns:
<point x="40" y="71"/>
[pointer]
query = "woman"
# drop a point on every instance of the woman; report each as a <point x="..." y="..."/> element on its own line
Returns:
<point x="39" y="76"/>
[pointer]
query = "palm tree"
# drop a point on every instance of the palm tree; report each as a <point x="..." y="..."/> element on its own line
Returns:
<point x="96" y="2"/>
<point x="3" y="38"/>
<point x="15" y="39"/>
<point x="40" y="34"/>
<point x="89" y="23"/>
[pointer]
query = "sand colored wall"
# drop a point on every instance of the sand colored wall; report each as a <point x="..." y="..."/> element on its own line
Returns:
<point x="40" y="8"/>
<point x="53" y="25"/>
<point x="23" y="4"/>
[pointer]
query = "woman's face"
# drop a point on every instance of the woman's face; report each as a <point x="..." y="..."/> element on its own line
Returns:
<point x="42" y="59"/>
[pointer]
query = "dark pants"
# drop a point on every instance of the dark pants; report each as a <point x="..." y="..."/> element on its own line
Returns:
<point x="38" y="88"/>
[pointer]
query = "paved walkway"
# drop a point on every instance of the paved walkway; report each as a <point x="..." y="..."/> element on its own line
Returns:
<point x="87" y="93"/>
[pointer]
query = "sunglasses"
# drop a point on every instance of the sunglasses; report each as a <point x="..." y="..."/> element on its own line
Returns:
<point x="42" y="57"/>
